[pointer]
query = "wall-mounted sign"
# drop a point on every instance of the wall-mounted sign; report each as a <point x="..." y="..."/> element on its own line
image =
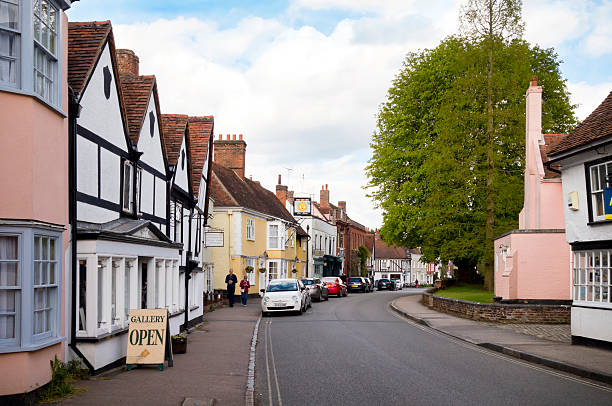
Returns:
<point x="213" y="239"/>
<point x="608" y="203"/>
<point x="301" y="206"/>
<point x="149" y="338"/>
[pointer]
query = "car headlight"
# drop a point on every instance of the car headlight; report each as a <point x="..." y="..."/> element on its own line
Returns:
<point x="266" y="299"/>
<point x="296" y="298"/>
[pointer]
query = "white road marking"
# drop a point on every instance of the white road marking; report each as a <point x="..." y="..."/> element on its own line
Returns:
<point x="280" y="402"/>
<point x="267" y="361"/>
<point x="475" y="347"/>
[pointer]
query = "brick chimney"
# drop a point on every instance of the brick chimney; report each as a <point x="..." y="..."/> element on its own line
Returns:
<point x="281" y="192"/>
<point x="230" y="153"/>
<point x="324" y="197"/>
<point x="128" y="61"/>
<point x="290" y="197"/>
<point x="342" y="205"/>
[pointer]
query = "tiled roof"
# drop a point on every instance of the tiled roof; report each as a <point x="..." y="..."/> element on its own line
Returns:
<point x="355" y="224"/>
<point x="550" y="141"/>
<point x="136" y="92"/>
<point x="173" y="130"/>
<point x="200" y="131"/>
<point x="85" y="42"/>
<point x="229" y="190"/>
<point x="388" y="251"/>
<point x="596" y="126"/>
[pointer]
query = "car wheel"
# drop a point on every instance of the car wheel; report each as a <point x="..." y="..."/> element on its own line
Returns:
<point x="339" y="293"/>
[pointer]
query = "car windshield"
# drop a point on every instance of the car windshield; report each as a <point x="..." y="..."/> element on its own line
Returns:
<point x="307" y="282"/>
<point x="330" y="279"/>
<point x="383" y="280"/>
<point x="284" y="286"/>
<point x="354" y="280"/>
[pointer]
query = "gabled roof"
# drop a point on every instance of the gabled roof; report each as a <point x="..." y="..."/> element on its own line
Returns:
<point x="136" y="93"/>
<point x="200" y="131"/>
<point x="85" y="42"/>
<point x="596" y="126"/>
<point x="173" y="130"/>
<point x="230" y="190"/>
<point x="384" y="251"/>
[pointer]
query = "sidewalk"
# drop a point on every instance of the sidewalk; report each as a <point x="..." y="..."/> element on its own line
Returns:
<point x="212" y="372"/>
<point x="588" y="362"/>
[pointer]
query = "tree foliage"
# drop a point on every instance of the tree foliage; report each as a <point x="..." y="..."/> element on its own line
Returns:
<point x="363" y="253"/>
<point x="438" y="165"/>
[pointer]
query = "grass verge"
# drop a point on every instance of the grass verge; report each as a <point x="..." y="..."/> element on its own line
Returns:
<point x="473" y="293"/>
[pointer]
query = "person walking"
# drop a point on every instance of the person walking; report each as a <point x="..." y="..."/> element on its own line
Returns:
<point x="244" y="290"/>
<point x="231" y="282"/>
<point x="416" y="282"/>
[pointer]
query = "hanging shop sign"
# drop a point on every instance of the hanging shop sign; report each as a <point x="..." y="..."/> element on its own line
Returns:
<point x="608" y="203"/>
<point x="149" y="338"/>
<point x="213" y="239"/>
<point x="301" y="206"/>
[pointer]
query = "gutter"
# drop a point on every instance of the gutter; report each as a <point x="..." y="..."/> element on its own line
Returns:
<point x="74" y="109"/>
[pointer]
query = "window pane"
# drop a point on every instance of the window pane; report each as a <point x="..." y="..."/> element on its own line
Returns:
<point x="36" y="7"/>
<point x="8" y="247"/>
<point x="599" y="204"/>
<point x="9" y="14"/>
<point x="44" y="10"/>
<point x="52" y="14"/>
<point x="7" y="300"/>
<point x="37" y="273"/>
<point x="52" y="249"/>
<point x="37" y="30"/>
<point x="52" y="273"/>
<point x="82" y="294"/>
<point x="39" y="299"/>
<point x="7" y="326"/>
<point x="45" y="248"/>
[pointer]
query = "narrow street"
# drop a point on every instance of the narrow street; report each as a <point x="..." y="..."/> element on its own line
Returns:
<point x="356" y="351"/>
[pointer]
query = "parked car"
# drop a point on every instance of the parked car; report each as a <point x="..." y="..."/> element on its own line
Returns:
<point x="357" y="284"/>
<point x="369" y="284"/>
<point x="398" y="284"/>
<point x="335" y="285"/>
<point x="285" y="295"/>
<point x="317" y="289"/>
<point x="385" y="284"/>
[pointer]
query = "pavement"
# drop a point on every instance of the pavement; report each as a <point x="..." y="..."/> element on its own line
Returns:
<point x="214" y="371"/>
<point x="523" y="341"/>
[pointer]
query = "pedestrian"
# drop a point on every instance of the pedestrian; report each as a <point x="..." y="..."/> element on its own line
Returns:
<point x="244" y="290"/>
<point x="416" y="283"/>
<point x="231" y="282"/>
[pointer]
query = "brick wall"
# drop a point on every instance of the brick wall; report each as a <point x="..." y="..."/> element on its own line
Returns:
<point x="231" y="153"/>
<point x="498" y="312"/>
<point x="128" y="61"/>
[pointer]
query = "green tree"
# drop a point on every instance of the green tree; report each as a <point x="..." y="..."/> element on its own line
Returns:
<point x="363" y="253"/>
<point x="438" y="169"/>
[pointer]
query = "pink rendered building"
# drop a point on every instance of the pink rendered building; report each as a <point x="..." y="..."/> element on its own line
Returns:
<point x="34" y="238"/>
<point x="533" y="262"/>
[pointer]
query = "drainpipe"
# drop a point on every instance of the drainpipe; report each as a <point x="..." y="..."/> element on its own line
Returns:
<point x="307" y="256"/>
<point x="74" y="109"/>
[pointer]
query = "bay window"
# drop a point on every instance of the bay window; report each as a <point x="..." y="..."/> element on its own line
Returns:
<point x="30" y="286"/>
<point x="30" y="48"/>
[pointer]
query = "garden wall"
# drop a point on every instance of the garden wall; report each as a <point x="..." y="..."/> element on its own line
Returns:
<point x="499" y="312"/>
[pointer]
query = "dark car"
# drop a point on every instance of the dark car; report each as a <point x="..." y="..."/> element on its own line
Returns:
<point x="357" y="285"/>
<point x="385" y="284"/>
<point x="318" y="290"/>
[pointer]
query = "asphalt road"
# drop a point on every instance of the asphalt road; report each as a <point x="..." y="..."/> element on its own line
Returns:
<point x="356" y="351"/>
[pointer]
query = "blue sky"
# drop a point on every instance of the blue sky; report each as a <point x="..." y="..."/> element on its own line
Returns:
<point x="303" y="79"/>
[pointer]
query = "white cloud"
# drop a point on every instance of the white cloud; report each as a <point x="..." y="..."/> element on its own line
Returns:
<point x="599" y="40"/>
<point x="550" y="23"/>
<point x="588" y="96"/>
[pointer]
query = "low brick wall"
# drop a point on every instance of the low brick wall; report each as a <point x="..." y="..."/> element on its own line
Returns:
<point x="499" y="312"/>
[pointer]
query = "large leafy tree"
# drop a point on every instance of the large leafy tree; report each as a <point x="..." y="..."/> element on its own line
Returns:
<point x="448" y="151"/>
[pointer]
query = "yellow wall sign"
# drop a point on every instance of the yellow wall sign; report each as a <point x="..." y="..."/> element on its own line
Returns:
<point x="148" y="338"/>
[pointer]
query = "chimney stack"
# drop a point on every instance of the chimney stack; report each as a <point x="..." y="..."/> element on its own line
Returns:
<point x="281" y="192"/>
<point x="230" y="153"/>
<point x="324" y="197"/>
<point x="127" y="61"/>
<point x="342" y="205"/>
<point x="290" y="197"/>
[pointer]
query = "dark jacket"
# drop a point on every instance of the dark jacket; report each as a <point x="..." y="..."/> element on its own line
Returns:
<point x="232" y="277"/>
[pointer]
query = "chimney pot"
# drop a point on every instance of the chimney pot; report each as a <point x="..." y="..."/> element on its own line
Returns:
<point x="534" y="81"/>
<point x="279" y="179"/>
<point x="227" y="137"/>
<point x="240" y="137"/>
<point x="220" y="136"/>
<point x="234" y="137"/>
<point x="326" y="186"/>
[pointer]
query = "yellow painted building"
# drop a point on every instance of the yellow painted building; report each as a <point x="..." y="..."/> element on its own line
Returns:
<point x="258" y="232"/>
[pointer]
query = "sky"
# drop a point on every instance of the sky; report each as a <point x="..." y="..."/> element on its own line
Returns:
<point x="303" y="79"/>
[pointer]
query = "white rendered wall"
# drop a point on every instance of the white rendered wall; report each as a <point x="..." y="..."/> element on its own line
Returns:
<point x="146" y="192"/>
<point x="99" y="115"/>
<point x="95" y="214"/>
<point x="110" y="176"/>
<point x="87" y="167"/>
<point x="160" y="198"/>
<point x="592" y="323"/>
<point x="181" y="177"/>
<point x="151" y="147"/>
<point x="574" y="180"/>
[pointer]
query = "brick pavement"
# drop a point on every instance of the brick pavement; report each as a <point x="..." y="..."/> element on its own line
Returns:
<point x="553" y="332"/>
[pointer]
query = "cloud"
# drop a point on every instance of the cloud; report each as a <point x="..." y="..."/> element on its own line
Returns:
<point x="588" y="96"/>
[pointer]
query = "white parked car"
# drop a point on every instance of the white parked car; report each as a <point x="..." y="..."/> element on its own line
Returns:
<point x="285" y="295"/>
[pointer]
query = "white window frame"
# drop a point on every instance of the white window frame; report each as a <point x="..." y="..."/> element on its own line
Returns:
<point x="591" y="277"/>
<point x="25" y="55"/>
<point x="274" y="237"/>
<point x="598" y="183"/>
<point x="25" y="339"/>
<point x="250" y="229"/>
<point x="250" y="261"/>
<point x="273" y="269"/>
<point x="127" y="187"/>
